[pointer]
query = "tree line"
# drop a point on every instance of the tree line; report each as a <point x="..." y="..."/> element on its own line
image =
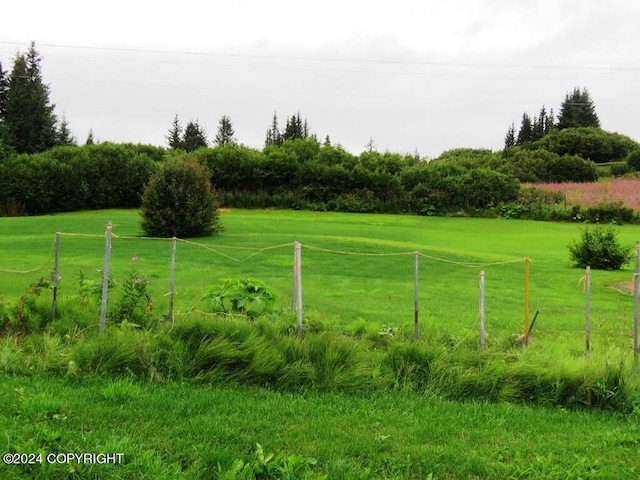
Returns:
<point x="42" y="170"/>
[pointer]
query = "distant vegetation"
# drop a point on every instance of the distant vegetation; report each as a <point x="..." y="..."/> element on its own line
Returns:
<point x="42" y="170"/>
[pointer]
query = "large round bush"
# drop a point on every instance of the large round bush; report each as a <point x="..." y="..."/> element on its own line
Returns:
<point x="179" y="201"/>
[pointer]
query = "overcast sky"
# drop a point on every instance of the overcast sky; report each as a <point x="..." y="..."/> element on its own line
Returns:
<point x="412" y="75"/>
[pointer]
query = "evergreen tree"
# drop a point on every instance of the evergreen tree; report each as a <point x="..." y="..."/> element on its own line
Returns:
<point x="274" y="137"/>
<point x="30" y="124"/>
<point x="510" y="137"/>
<point x="296" y="128"/>
<point x="194" y="137"/>
<point x="549" y="122"/>
<point x="174" y="137"/>
<point x="4" y="88"/>
<point x="225" y="133"/>
<point x="370" y="145"/>
<point x="578" y="110"/>
<point x="90" y="140"/>
<point x="63" y="134"/>
<point x="526" y="130"/>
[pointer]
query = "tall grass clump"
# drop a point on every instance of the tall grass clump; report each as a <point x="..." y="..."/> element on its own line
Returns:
<point x="267" y="353"/>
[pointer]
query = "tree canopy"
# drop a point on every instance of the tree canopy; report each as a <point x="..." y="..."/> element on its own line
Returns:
<point x="28" y="121"/>
<point x="578" y="110"/>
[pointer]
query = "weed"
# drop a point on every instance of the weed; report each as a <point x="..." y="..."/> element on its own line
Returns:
<point x="242" y="296"/>
<point x="134" y="305"/>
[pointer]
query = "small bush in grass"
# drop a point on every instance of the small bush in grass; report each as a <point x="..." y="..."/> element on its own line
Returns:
<point x="599" y="248"/>
<point x="180" y="202"/>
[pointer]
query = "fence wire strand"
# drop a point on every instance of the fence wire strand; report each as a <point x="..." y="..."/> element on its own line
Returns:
<point x="44" y="265"/>
<point x="258" y="250"/>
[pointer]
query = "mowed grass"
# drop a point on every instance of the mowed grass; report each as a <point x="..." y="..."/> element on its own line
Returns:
<point x="355" y="268"/>
<point x="184" y="431"/>
<point x="179" y="429"/>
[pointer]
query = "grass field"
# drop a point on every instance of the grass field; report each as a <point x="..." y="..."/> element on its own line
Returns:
<point x="189" y="429"/>
<point x="184" y="431"/>
<point x="348" y="287"/>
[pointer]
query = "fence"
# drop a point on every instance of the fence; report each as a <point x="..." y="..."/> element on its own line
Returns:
<point x="297" y="286"/>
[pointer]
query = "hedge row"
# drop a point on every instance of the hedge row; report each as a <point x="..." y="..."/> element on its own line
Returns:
<point x="299" y="174"/>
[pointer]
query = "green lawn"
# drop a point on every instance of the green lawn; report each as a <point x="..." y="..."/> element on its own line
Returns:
<point x="179" y="429"/>
<point x="348" y="286"/>
<point x="184" y="431"/>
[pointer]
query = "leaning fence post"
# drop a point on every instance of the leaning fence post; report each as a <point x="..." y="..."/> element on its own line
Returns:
<point x="105" y="278"/>
<point x="172" y="275"/>
<point x="56" y="277"/>
<point x="481" y="305"/>
<point x="297" y="272"/>
<point x="587" y="286"/>
<point x="636" y="288"/>
<point x="416" y="296"/>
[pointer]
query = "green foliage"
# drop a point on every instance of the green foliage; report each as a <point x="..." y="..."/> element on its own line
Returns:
<point x="28" y="313"/>
<point x="578" y="110"/>
<point x="194" y="137"/>
<point x="599" y="248"/>
<point x="267" y="467"/>
<point x="541" y="165"/>
<point x="589" y="143"/>
<point x="242" y="296"/>
<point x="179" y="202"/>
<point x="29" y="124"/>
<point x="633" y="160"/>
<point x="134" y="307"/>
<point x="225" y="134"/>
<point x="76" y="178"/>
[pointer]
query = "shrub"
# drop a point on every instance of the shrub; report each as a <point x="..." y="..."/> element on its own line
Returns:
<point x="599" y="249"/>
<point x="633" y="160"/>
<point x="180" y="202"/>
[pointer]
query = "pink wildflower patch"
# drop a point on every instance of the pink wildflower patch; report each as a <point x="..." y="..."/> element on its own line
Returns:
<point x="591" y="194"/>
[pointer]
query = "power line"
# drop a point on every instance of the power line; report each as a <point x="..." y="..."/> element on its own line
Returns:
<point x="331" y="59"/>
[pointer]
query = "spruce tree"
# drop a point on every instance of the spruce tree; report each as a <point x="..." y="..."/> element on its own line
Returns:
<point x="63" y="133"/>
<point x="273" y="137"/>
<point x="194" y="137"/>
<point x="578" y="110"/>
<point x="30" y="124"/>
<point x="174" y="137"/>
<point x="90" y="140"/>
<point x="510" y="137"/>
<point x="4" y="88"/>
<point x="526" y="130"/>
<point x="225" y="133"/>
<point x="296" y="128"/>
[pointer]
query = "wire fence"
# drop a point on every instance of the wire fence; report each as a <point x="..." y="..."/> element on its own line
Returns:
<point x="239" y="255"/>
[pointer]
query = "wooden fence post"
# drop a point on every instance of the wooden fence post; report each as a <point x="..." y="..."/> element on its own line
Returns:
<point x="105" y="278"/>
<point x="172" y="275"/>
<point x="526" y="297"/>
<point x="297" y="272"/>
<point x="481" y="307"/>
<point x="416" y="295"/>
<point x="56" y="277"/>
<point x="636" y="288"/>
<point x="587" y="286"/>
